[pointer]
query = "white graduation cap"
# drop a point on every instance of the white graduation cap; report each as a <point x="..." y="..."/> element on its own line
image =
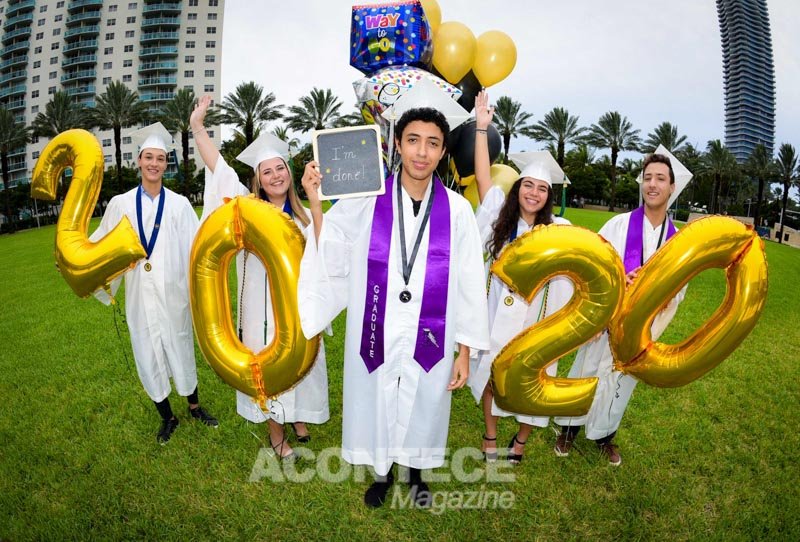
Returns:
<point x="154" y="136"/>
<point x="426" y="93"/>
<point x="539" y="165"/>
<point x="265" y="146"/>
<point x="682" y="175"/>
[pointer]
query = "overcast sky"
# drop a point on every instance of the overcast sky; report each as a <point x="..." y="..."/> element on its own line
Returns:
<point x="651" y="61"/>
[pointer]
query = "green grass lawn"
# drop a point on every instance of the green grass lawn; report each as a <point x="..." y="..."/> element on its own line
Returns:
<point x="78" y="456"/>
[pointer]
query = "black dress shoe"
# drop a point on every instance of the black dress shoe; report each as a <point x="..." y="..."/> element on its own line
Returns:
<point x="375" y="495"/>
<point x="514" y="459"/>
<point x="200" y="414"/>
<point x="421" y="494"/>
<point x="167" y="428"/>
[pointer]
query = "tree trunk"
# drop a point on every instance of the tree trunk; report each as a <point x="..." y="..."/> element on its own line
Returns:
<point x="757" y="215"/>
<point x="118" y="155"/>
<point x="715" y="193"/>
<point x="783" y="207"/>
<point x="506" y="145"/>
<point x="612" y="199"/>
<point x="7" y="190"/>
<point x="560" y="152"/>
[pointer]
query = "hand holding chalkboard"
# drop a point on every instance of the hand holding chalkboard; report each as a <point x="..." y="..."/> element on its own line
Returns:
<point x="350" y="162"/>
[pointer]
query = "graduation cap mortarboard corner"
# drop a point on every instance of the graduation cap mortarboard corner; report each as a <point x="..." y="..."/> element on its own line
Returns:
<point x="682" y="174"/>
<point x="426" y="93"/>
<point x="265" y="146"/>
<point x="539" y="165"/>
<point x="154" y="136"/>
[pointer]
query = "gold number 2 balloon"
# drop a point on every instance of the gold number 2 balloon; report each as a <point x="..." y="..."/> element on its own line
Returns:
<point x="253" y="225"/>
<point x="518" y="372"/>
<point x="86" y="266"/>
<point x="717" y="241"/>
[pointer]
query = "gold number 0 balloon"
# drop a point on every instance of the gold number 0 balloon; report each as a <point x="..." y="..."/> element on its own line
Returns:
<point x="86" y="266"/>
<point x="707" y="243"/>
<point x="261" y="228"/>
<point x="518" y="372"/>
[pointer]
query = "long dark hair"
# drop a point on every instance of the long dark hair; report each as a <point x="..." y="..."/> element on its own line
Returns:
<point x="509" y="217"/>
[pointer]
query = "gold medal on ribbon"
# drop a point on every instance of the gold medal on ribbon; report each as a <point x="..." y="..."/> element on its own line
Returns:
<point x="147" y="266"/>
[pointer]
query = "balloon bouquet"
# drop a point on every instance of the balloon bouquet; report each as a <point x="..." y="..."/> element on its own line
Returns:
<point x="398" y="44"/>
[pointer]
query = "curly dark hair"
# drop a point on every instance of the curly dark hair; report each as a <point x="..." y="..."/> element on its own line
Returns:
<point x="509" y="216"/>
<point x="659" y="159"/>
<point x="425" y="114"/>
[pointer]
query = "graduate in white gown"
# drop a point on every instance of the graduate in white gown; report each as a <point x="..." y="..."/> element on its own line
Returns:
<point x="636" y="236"/>
<point x="272" y="182"/>
<point x="502" y="219"/>
<point x="402" y="327"/>
<point x="157" y="288"/>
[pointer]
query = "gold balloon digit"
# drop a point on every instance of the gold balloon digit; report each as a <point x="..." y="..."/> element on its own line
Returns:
<point x="253" y="225"/>
<point x="518" y="372"/>
<point x="85" y="266"/>
<point x="713" y="242"/>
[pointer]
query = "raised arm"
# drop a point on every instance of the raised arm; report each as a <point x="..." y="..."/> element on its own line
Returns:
<point x="483" y="118"/>
<point x="208" y="151"/>
<point x="311" y="181"/>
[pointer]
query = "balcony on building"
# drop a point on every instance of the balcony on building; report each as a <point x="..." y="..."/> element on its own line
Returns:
<point x="20" y="46"/>
<point x="79" y="45"/>
<point x="25" y="18"/>
<point x="145" y="67"/>
<point x="13" y="105"/>
<point x="167" y="50"/>
<point x="15" y="90"/>
<point x="82" y="90"/>
<point x="13" y="76"/>
<point x="13" y="8"/>
<point x="80" y="75"/>
<point x="82" y="60"/>
<point x="158" y="81"/>
<point x="85" y="17"/>
<point x="81" y="32"/>
<point x="159" y="36"/>
<point x="14" y="61"/>
<point x="80" y="4"/>
<point x="21" y="32"/>
<point x="163" y="8"/>
<point x="158" y="96"/>
<point x="166" y="22"/>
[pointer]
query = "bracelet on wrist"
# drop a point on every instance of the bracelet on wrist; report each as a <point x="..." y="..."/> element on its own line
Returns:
<point x="201" y="129"/>
<point x="480" y="130"/>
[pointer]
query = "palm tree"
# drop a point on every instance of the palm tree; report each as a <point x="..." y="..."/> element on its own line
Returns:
<point x="282" y="133"/>
<point x="248" y="109"/>
<point x="351" y="119"/>
<point x="761" y="167"/>
<point x="614" y="132"/>
<point x="665" y="134"/>
<point x="118" y="107"/>
<point x="510" y="121"/>
<point x="558" y="128"/>
<point x="13" y="135"/>
<point x="718" y="162"/>
<point x="174" y="115"/>
<point x="61" y="113"/>
<point x="788" y="172"/>
<point x="317" y="111"/>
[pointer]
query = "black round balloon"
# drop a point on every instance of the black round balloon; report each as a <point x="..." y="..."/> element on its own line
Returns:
<point x="469" y="87"/>
<point x="463" y="151"/>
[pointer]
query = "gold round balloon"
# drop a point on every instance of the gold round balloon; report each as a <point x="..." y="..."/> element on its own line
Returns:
<point x="86" y="266"/>
<point x="712" y="242"/>
<point x="518" y="372"/>
<point x="433" y="13"/>
<point x="495" y="57"/>
<point x="246" y="223"/>
<point x="453" y="50"/>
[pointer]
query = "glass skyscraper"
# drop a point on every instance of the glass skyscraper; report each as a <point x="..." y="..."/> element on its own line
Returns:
<point x="749" y="76"/>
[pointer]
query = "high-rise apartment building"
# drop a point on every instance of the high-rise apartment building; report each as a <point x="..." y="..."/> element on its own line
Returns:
<point x="155" y="47"/>
<point x="749" y="76"/>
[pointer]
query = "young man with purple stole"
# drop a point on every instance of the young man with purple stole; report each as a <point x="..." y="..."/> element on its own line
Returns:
<point x="407" y="266"/>
<point x="636" y="236"/>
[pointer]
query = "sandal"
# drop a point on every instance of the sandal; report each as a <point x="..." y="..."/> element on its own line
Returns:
<point x="514" y="459"/>
<point x="489" y="457"/>
<point x="301" y="438"/>
<point x="278" y="449"/>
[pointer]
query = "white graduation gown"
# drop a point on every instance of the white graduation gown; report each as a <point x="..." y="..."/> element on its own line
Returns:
<point x="614" y="389"/>
<point x="306" y="402"/>
<point x="157" y="302"/>
<point x="506" y="321"/>
<point x="398" y="413"/>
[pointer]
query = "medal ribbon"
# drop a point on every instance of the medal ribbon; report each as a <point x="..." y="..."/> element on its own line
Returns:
<point x="148" y="246"/>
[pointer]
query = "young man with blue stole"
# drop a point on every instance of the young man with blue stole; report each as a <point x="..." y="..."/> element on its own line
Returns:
<point x="408" y="267"/>
<point x="157" y="288"/>
<point x="636" y="236"/>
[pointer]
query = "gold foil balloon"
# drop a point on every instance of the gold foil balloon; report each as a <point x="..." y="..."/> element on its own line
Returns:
<point x="263" y="229"/>
<point x="453" y="50"/>
<point x="433" y="13"/>
<point x="86" y="266"/>
<point x="525" y="265"/>
<point x="495" y="57"/>
<point x="713" y="242"/>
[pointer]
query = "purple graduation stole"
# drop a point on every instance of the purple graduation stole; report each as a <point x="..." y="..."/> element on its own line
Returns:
<point x="431" y="327"/>
<point x="634" y="245"/>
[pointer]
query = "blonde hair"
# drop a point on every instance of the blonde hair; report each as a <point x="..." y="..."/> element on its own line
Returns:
<point x="294" y="200"/>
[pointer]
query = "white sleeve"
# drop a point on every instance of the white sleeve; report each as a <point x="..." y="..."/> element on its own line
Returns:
<point x="111" y="218"/>
<point x="471" y="311"/>
<point x="487" y="212"/>
<point x="222" y="183"/>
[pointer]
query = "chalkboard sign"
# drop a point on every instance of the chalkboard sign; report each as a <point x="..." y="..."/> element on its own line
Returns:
<point x="350" y="161"/>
